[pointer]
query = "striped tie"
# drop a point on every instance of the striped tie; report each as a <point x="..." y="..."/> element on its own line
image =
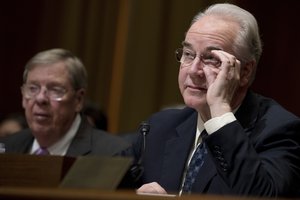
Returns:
<point x="194" y="166"/>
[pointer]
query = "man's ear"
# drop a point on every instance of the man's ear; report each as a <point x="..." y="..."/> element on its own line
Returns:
<point x="80" y="94"/>
<point x="247" y="73"/>
<point x="23" y="102"/>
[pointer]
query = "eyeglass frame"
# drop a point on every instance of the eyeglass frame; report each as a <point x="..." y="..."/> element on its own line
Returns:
<point x="25" y="89"/>
<point x="215" y="62"/>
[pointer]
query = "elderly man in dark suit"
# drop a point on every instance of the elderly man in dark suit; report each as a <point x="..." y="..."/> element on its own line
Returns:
<point x="54" y="86"/>
<point x="228" y="140"/>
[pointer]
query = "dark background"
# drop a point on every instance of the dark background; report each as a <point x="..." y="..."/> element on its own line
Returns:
<point x="277" y="75"/>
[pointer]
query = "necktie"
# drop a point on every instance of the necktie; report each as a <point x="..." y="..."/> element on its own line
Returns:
<point x="42" y="151"/>
<point x="194" y="167"/>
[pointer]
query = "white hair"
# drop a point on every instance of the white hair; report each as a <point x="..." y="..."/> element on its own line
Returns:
<point x="247" y="45"/>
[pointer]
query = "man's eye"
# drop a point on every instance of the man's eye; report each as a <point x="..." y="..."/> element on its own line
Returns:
<point x="210" y="59"/>
<point x="189" y="55"/>
<point x="56" y="89"/>
<point x="33" y="88"/>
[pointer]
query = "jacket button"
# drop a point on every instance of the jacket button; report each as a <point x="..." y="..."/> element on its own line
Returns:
<point x="224" y="166"/>
<point x="217" y="148"/>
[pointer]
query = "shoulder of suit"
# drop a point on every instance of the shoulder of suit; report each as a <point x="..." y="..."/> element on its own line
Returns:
<point x="104" y="136"/>
<point x="23" y="134"/>
<point x="174" y="113"/>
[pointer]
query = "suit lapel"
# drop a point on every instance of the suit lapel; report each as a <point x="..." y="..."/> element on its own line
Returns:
<point x="24" y="142"/>
<point x="81" y="144"/>
<point x="26" y="146"/>
<point x="176" y="152"/>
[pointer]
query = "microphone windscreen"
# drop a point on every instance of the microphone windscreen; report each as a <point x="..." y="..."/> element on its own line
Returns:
<point x="144" y="127"/>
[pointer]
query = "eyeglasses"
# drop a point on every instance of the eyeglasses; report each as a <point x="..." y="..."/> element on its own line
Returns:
<point x="186" y="57"/>
<point x="55" y="93"/>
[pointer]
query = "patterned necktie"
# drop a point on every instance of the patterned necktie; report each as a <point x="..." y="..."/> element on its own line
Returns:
<point x="194" y="166"/>
<point x="41" y="151"/>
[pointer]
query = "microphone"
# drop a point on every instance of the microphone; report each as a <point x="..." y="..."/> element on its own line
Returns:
<point x="137" y="170"/>
<point x="144" y="130"/>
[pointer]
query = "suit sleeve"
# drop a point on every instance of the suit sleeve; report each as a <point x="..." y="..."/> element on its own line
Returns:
<point x="263" y="161"/>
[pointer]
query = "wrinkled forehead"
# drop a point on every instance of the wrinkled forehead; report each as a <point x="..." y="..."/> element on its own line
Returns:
<point x="212" y="30"/>
<point x="214" y="24"/>
<point x="58" y="66"/>
<point x="54" y="72"/>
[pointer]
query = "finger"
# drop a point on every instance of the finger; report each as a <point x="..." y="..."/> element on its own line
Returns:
<point x="227" y="60"/>
<point x="237" y="68"/>
<point x="152" y="187"/>
<point x="230" y="66"/>
<point x="210" y="75"/>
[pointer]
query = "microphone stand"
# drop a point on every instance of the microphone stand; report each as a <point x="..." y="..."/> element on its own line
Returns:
<point x="136" y="170"/>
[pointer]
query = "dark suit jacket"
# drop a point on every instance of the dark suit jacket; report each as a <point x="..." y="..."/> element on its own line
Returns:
<point x="259" y="154"/>
<point x="87" y="141"/>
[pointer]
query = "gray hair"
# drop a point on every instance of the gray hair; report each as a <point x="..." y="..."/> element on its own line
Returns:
<point x="77" y="71"/>
<point x="247" y="45"/>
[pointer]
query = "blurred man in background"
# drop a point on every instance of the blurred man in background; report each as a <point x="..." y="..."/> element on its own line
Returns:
<point x="54" y="87"/>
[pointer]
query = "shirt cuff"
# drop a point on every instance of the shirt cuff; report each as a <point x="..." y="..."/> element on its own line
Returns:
<point x="216" y="123"/>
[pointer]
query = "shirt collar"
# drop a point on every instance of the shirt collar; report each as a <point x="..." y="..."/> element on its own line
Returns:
<point x="61" y="146"/>
<point x="200" y="128"/>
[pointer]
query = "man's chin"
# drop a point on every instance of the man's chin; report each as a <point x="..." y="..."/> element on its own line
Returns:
<point x="40" y="129"/>
<point x="195" y="103"/>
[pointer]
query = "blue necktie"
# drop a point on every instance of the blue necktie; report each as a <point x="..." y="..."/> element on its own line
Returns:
<point x="194" y="166"/>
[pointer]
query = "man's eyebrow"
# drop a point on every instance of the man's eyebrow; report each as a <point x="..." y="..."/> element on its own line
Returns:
<point x="186" y="44"/>
<point x="210" y="48"/>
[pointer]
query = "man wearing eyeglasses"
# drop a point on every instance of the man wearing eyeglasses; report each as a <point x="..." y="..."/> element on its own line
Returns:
<point x="228" y="140"/>
<point x="54" y="86"/>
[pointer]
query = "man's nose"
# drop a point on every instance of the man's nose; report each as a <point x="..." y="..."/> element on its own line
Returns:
<point x="196" y="66"/>
<point x="42" y="95"/>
